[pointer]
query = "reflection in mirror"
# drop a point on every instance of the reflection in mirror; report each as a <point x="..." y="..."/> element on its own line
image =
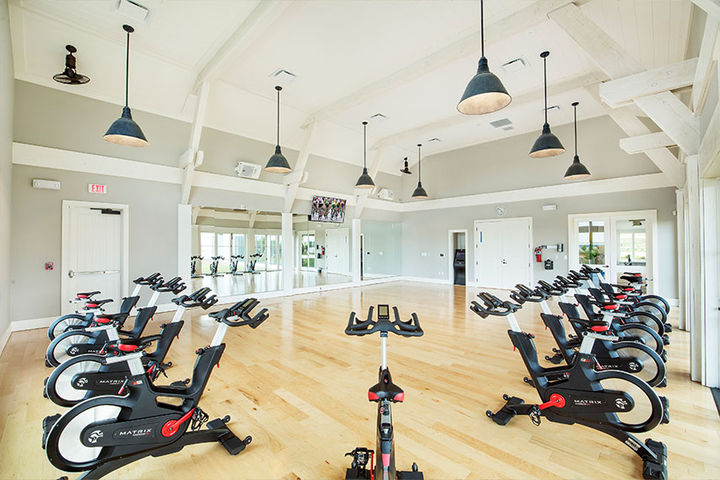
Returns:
<point x="235" y="251"/>
<point x="381" y="254"/>
<point x="322" y="252"/>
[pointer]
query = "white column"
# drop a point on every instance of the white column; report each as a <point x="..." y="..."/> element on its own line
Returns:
<point x="694" y="318"/>
<point x="288" y="262"/>
<point x="355" y="267"/>
<point x="6" y="137"/>
<point x="184" y="243"/>
<point x="680" y="228"/>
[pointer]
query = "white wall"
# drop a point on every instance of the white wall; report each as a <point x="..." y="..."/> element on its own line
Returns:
<point x="427" y="232"/>
<point x="6" y="138"/>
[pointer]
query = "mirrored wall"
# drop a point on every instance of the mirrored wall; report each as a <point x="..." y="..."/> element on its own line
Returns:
<point x="322" y="252"/>
<point x="236" y="252"/>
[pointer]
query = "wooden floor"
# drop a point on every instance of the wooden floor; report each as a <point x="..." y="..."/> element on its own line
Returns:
<point x="298" y="385"/>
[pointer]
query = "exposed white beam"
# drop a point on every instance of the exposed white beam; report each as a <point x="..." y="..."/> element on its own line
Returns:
<point x="188" y="159"/>
<point x="674" y="117"/>
<point x="195" y="213"/>
<point x="298" y="173"/>
<point x="260" y="19"/>
<point x="410" y="137"/>
<point x="251" y="219"/>
<point x="712" y="7"/>
<point x="661" y="157"/>
<point x="516" y="22"/>
<point x="601" y="47"/>
<point x="709" y="155"/>
<point x="668" y="77"/>
<point x="643" y="143"/>
<point x="704" y="71"/>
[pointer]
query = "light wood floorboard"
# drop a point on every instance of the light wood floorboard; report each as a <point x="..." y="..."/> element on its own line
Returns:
<point x="298" y="385"/>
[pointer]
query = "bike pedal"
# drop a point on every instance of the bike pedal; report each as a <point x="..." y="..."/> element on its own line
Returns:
<point x="655" y="469"/>
<point x="664" y="356"/>
<point x="666" y="410"/>
<point x="668" y="327"/>
<point x="217" y="423"/>
<point x="665" y="339"/>
<point x="233" y="444"/>
<point x="47" y="425"/>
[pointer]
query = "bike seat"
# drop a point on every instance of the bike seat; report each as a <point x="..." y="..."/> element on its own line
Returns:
<point x="385" y="389"/>
<point x="97" y="303"/>
<point x="591" y="324"/>
<point x="87" y="294"/>
<point x="111" y="316"/>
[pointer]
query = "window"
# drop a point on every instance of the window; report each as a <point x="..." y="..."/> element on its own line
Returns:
<point x="207" y="250"/>
<point x="591" y="242"/>
<point x="223" y="250"/>
<point x="239" y="248"/>
<point x="260" y="247"/>
<point x="632" y="248"/>
<point x="274" y="257"/>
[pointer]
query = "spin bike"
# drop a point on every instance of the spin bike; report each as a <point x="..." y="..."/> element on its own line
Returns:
<point x="631" y="357"/>
<point x="90" y="338"/>
<point x="102" y="434"/>
<point x="214" y="267"/>
<point x="234" y="260"/>
<point x="251" y="263"/>
<point x="195" y="260"/>
<point x="610" y="401"/>
<point x="384" y="393"/>
<point x="89" y="375"/>
<point x="92" y="306"/>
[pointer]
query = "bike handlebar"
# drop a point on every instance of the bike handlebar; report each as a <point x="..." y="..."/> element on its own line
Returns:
<point x="565" y="282"/>
<point x="493" y="306"/>
<point x="174" y="285"/>
<point x="525" y="294"/>
<point x="410" y="328"/>
<point x="149" y="280"/>
<point x="241" y="311"/>
<point x="198" y="298"/>
<point x="552" y="290"/>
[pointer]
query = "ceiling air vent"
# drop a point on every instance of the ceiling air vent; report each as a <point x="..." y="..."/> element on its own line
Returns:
<point x="378" y="116"/>
<point x="248" y="170"/>
<point x="283" y="76"/>
<point x="509" y="127"/>
<point x="514" y="65"/>
<point x="434" y="139"/>
<point x="503" y="122"/>
<point x="553" y="107"/>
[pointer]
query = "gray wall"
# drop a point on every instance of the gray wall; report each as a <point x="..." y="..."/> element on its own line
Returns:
<point x="36" y="232"/>
<point x="382" y="247"/>
<point x="505" y="165"/>
<point x="548" y="228"/>
<point x="6" y="136"/>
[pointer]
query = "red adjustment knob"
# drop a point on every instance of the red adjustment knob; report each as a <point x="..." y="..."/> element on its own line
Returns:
<point x="556" y="400"/>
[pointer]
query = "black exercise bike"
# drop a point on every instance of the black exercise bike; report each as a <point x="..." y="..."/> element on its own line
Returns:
<point x="610" y="401"/>
<point x="105" y="433"/>
<point x="384" y="393"/>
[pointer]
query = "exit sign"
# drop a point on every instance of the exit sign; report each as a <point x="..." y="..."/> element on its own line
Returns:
<point x="94" y="188"/>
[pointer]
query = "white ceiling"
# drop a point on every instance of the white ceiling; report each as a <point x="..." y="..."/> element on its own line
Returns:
<point x="336" y="48"/>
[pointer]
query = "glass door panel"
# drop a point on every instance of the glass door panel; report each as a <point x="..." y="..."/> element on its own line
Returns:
<point x="631" y="247"/>
<point x="261" y="248"/>
<point x="223" y="250"/>
<point x="239" y="248"/>
<point x="207" y="250"/>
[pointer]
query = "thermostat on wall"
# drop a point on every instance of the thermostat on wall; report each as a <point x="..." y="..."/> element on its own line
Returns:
<point x="47" y="184"/>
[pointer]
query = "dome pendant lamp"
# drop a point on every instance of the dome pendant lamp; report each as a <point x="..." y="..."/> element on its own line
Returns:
<point x="576" y="170"/>
<point x="278" y="163"/>
<point x="419" y="192"/>
<point x="405" y="169"/>
<point x="547" y="144"/>
<point x="485" y="92"/>
<point x="124" y="130"/>
<point x="365" y="181"/>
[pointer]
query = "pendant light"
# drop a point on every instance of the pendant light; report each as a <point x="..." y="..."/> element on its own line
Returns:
<point x="419" y="191"/>
<point x="405" y="170"/>
<point x="124" y="130"/>
<point x="576" y="170"/>
<point x="278" y="163"/>
<point x="69" y="76"/>
<point x="365" y="181"/>
<point x="485" y="92"/>
<point x="547" y="144"/>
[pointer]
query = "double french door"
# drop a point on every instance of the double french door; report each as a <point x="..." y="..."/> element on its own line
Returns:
<point x="615" y="242"/>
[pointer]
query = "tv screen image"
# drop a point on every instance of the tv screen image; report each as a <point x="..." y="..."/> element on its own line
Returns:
<point x="327" y="209"/>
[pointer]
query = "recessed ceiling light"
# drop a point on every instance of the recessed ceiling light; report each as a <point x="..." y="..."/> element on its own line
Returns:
<point x="378" y="116"/>
<point x="514" y="65"/>
<point x="283" y="77"/>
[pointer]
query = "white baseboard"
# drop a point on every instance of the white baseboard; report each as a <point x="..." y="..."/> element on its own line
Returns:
<point x="442" y="281"/>
<point x="674" y="302"/>
<point x="4" y="339"/>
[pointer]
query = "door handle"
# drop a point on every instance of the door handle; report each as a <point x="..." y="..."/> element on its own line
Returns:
<point x="71" y="274"/>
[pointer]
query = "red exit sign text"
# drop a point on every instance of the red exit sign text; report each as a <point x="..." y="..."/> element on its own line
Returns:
<point x="94" y="188"/>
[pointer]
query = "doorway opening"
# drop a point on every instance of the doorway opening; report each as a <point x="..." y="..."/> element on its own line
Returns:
<point x="456" y="256"/>
<point x="503" y="252"/>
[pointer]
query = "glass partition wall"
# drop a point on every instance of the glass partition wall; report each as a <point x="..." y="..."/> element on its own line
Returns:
<point x="381" y="249"/>
<point x="322" y="252"/>
<point x="241" y="251"/>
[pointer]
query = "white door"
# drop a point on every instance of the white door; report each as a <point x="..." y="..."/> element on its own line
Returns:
<point x="711" y="287"/>
<point x="93" y="253"/>
<point x="502" y="252"/>
<point x="588" y="244"/>
<point x="337" y="251"/>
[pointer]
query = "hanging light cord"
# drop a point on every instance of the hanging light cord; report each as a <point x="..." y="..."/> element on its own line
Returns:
<point x="575" y="121"/>
<point x="419" y="177"/>
<point x="482" y="30"/>
<point x="127" y="67"/>
<point x="545" y="85"/>
<point x="364" y="145"/>
<point x="278" y="115"/>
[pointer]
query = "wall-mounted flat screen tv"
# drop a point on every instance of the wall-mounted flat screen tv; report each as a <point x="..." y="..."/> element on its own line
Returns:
<point x="327" y="209"/>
